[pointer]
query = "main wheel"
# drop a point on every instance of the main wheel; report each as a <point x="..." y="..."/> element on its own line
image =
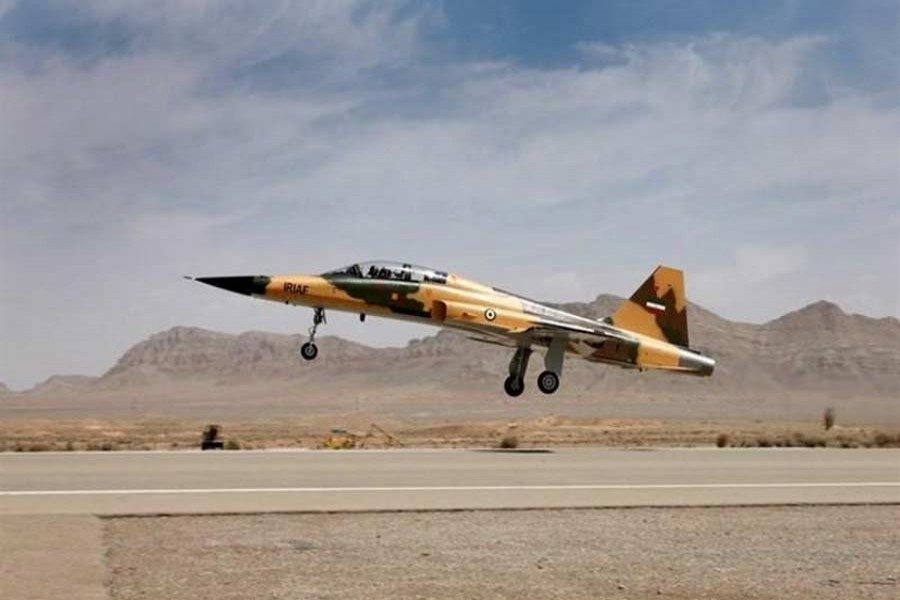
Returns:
<point x="514" y="386"/>
<point x="548" y="382"/>
<point x="309" y="351"/>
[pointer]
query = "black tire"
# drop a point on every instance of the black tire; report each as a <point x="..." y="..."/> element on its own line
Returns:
<point x="309" y="351"/>
<point x="548" y="382"/>
<point x="514" y="386"/>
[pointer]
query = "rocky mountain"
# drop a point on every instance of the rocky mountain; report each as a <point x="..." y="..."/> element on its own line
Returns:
<point x="810" y="357"/>
<point x="63" y="385"/>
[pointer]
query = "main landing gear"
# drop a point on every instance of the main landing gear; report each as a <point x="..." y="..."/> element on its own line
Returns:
<point x="515" y="383"/>
<point x="548" y="380"/>
<point x="309" y="350"/>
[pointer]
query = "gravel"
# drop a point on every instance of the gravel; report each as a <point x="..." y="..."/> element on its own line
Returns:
<point x="723" y="553"/>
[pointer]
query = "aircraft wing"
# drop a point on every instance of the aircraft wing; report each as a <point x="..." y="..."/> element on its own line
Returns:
<point x="548" y="330"/>
<point x="545" y="331"/>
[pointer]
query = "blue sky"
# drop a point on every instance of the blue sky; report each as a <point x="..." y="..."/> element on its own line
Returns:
<point x="558" y="149"/>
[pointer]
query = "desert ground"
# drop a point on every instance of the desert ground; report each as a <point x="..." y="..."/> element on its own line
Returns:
<point x="772" y="385"/>
<point x="37" y="435"/>
<point x="838" y="552"/>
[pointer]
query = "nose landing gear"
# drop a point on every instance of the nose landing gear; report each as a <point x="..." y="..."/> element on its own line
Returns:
<point x="309" y="350"/>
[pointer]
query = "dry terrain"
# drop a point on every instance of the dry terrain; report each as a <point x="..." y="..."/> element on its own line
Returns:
<point x="772" y="383"/>
<point x="839" y="552"/>
<point x="554" y="430"/>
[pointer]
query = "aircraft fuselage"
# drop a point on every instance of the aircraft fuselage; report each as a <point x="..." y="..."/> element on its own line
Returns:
<point x="446" y="300"/>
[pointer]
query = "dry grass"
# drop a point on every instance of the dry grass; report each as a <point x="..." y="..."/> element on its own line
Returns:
<point x="855" y="438"/>
<point x="171" y="434"/>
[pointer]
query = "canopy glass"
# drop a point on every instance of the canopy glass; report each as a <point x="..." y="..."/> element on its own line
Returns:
<point x="389" y="270"/>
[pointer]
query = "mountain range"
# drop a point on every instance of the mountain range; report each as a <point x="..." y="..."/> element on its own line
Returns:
<point x="790" y="367"/>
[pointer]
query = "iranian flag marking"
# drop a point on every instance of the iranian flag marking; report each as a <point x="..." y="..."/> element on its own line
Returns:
<point x="655" y="307"/>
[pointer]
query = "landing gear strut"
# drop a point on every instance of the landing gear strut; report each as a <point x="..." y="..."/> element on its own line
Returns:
<point x="309" y="350"/>
<point x="548" y="381"/>
<point x="515" y="383"/>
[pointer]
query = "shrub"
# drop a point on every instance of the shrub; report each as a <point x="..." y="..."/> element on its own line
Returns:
<point x="509" y="442"/>
<point x="828" y="418"/>
<point x="809" y="441"/>
<point x="107" y="446"/>
<point x="764" y="442"/>
<point x="883" y="440"/>
<point x="232" y="445"/>
<point x="722" y="440"/>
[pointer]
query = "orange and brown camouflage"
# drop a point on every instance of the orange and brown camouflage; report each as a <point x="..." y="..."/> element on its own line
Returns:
<point x="648" y="331"/>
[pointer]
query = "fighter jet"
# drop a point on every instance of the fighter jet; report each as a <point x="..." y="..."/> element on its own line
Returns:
<point x="648" y="331"/>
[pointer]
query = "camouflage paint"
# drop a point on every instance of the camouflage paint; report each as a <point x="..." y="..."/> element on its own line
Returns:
<point x="398" y="296"/>
<point x="648" y="331"/>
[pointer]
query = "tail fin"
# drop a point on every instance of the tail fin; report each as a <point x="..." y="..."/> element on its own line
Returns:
<point x="658" y="308"/>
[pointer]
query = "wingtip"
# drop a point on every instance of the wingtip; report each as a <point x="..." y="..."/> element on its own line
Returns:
<point x="188" y="277"/>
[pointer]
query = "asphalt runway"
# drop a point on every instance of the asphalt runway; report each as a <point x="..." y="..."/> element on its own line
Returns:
<point x="304" y="480"/>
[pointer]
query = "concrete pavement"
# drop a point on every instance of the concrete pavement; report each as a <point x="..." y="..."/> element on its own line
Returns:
<point x="217" y="482"/>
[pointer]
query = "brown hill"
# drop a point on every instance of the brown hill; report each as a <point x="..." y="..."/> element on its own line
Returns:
<point x="63" y="385"/>
<point x="796" y="364"/>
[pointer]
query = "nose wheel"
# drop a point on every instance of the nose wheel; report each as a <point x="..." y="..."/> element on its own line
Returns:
<point x="309" y="350"/>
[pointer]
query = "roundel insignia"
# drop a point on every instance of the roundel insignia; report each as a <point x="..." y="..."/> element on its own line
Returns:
<point x="490" y="314"/>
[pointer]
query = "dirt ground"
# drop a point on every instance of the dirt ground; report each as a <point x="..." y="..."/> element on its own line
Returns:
<point x="32" y="435"/>
<point x="724" y="553"/>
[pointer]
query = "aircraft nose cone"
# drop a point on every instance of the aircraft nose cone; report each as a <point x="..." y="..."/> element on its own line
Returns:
<point x="248" y="285"/>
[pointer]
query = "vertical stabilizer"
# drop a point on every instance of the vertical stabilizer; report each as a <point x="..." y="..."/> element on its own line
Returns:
<point x="658" y="308"/>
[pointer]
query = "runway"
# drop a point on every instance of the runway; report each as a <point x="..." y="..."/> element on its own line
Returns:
<point x="303" y="480"/>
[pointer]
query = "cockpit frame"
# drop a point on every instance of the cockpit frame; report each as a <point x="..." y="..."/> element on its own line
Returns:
<point x="390" y="271"/>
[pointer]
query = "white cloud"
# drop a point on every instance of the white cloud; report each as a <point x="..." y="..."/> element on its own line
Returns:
<point x="233" y="140"/>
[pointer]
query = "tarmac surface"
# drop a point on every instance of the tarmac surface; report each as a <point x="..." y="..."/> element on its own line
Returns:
<point x="303" y="480"/>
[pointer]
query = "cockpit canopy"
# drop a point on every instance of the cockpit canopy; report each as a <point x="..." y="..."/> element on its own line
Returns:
<point x="383" y="269"/>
